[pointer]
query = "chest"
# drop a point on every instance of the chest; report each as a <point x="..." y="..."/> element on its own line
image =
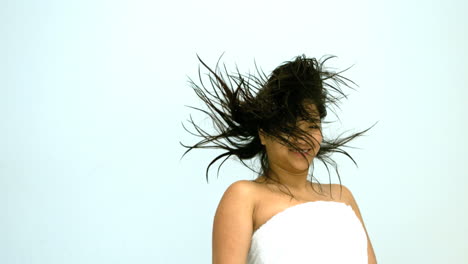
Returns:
<point x="270" y="206"/>
<point x="329" y="231"/>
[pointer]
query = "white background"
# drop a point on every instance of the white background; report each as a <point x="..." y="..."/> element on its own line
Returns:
<point x="92" y="97"/>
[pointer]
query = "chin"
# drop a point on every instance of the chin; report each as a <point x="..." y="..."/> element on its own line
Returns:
<point x="301" y="167"/>
<point x="300" y="162"/>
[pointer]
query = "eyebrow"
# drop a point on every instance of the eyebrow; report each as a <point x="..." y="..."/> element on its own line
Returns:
<point x="313" y="119"/>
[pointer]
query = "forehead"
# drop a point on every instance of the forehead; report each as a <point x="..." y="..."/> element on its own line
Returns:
<point x="312" y="111"/>
<point x="311" y="108"/>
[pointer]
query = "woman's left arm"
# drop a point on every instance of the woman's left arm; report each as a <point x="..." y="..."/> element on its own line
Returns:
<point x="348" y="197"/>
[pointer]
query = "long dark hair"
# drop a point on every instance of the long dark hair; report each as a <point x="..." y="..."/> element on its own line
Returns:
<point x="241" y="105"/>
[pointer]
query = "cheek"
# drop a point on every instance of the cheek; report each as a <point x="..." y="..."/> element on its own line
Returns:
<point x="318" y="136"/>
<point x="319" y="139"/>
<point x="279" y="150"/>
<point x="276" y="151"/>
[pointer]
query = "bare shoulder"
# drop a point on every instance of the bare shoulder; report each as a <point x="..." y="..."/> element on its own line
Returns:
<point x="343" y="194"/>
<point x="241" y="189"/>
<point x="239" y="193"/>
<point x="238" y="198"/>
<point x="232" y="226"/>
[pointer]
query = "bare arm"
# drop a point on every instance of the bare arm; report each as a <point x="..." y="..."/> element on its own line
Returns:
<point x="348" y="196"/>
<point x="232" y="227"/>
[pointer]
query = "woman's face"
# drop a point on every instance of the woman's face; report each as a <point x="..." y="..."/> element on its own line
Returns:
<point x="287" y="158"/>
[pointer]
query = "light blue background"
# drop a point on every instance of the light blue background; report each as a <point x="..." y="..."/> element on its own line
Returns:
<point x="92" y="96"/>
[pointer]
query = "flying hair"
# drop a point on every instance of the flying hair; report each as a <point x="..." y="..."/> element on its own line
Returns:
<point x="243" y="105"/>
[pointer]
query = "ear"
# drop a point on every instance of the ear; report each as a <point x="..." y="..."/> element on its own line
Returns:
<point x="261" y="134"/>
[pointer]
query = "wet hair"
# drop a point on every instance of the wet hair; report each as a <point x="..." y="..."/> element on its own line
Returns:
<point x="242" y="105"/>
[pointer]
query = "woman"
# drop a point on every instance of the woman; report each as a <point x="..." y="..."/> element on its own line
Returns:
<point x="283" y="216"/>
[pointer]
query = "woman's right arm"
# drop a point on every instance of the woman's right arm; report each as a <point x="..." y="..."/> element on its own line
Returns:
<point x="233" y="224"/>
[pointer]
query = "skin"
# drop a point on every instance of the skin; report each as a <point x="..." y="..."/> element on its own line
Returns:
<point x="247" y="205"/>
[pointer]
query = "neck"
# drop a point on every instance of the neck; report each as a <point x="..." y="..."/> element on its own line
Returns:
<point x="294" y="181"/>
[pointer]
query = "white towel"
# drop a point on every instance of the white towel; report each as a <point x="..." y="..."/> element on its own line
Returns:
<point x="320" y="232"/>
